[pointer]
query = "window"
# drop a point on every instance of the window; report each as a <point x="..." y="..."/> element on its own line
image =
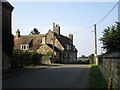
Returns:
<point x="74" y="48"/>
<point x="67" y="47"/>
<point x="24" y="46"/>
<point x="27" y="47"/>
<point x="70" y="47"/>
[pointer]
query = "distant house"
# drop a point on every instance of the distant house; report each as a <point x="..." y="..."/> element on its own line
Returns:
<point x="61" y="46"/>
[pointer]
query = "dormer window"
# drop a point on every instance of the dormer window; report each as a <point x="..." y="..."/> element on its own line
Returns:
<point x="24" y="46"/>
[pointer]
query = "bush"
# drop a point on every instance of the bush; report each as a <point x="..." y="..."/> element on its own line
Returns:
<point x="91" y="58"/>
<point x="50" y="53"/>
<point x="100" y="59"/>
<point x="59" y="61"/>
<point x="21" y="58"/>
<point x="34" y="57"/>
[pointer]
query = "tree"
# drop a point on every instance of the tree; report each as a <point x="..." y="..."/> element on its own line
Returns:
<point x="83" y="56"/>
<point x="35" y="31"/>
<point x="111" y="38"/>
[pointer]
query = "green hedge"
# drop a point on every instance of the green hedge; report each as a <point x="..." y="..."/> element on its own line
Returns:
<point x="21" y="58"/>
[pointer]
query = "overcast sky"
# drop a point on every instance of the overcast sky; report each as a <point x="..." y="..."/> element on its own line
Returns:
<point x="72" y="17"/>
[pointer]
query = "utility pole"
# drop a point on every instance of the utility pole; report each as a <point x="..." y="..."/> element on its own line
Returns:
<point x="95" y="45"/>
<point x="95" y="39"/>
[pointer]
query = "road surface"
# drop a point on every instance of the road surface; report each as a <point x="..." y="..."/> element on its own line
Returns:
<point x="63" y="76"/>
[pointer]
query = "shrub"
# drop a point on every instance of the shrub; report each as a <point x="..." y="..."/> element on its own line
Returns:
<point x="59" y="61"/>
<point x="91" y="58"/>
<point x="100" y="59"/>
<point x="50" y="53"/>
<point x="21" y="58"/>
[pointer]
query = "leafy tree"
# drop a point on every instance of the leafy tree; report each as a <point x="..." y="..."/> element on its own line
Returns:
<point x="35" y="31"/>
<point x="111" y="38"/>
<point x="83" y="56"/>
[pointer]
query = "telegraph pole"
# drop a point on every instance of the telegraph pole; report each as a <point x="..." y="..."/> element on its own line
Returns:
<point x="95" y="45"/>
<point x="95" y="39"/>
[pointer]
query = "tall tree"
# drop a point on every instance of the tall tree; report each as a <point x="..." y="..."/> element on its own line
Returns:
<point x="35" y="31"/>
<point x="111" y="38"/>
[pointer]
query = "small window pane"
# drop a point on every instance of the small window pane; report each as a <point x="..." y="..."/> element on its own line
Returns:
<point x="24" y="47"/>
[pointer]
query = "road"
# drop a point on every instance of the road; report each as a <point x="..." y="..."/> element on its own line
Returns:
<point x="63" y="76"/>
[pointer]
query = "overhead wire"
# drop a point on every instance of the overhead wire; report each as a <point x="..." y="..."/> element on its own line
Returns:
<point x="83" y="29"/>
<point x="108" y="13"/>
<point x="100" y="20"/>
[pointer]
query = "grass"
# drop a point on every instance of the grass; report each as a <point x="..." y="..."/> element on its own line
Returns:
<point x="96" y="78"/>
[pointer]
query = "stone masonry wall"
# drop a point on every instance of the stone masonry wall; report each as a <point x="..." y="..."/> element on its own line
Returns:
<point x="110" y="68"/>
<point x="45" y="60"/>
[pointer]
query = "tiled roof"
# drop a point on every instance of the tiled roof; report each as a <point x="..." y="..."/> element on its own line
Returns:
<point x="26" y="39"/>
<point x="55" y="48"/>
<point x="37" y="39"/>
<point x="64" y="41"/>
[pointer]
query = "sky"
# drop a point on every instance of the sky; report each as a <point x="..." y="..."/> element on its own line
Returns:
<point x="73" y="17"/>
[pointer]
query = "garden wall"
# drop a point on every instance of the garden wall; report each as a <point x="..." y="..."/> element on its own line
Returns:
<point x="45" y="60"/>
<point x="110" y="67"/>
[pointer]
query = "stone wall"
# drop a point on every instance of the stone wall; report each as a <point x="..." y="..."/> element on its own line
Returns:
<point x="7" y="37"/>
<point x="45" y="60"/>
<point x="110" y="67"/>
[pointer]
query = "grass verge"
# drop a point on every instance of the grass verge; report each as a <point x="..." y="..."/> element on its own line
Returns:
<point x="96" y="78"/>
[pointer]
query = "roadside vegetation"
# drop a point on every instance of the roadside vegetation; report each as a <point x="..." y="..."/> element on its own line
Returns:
<point x="96" y="78"/>
<point x="111" y="43"/>
<point x="111" y="38"/>
<point x="21" y="59"/>
<point x="83" y="60"/>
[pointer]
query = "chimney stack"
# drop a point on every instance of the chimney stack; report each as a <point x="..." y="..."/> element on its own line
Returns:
<point x="56" y="28"/>
<point x="43" y="40"/>
<point x="53" y="26"/>
<point x="17" y="33"/>
<point x="71" y="37"/>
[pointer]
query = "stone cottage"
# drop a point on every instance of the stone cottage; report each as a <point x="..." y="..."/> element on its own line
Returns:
<point x="60" y="47"/>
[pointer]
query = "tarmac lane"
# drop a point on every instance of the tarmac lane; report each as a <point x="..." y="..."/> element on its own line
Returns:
<point x="63" y="76"/>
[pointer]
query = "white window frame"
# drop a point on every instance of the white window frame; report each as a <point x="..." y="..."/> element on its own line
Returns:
<point x="24" y="46"/>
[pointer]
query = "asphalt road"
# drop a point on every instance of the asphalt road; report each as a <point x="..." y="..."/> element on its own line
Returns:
<point x="63" y="76"/>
